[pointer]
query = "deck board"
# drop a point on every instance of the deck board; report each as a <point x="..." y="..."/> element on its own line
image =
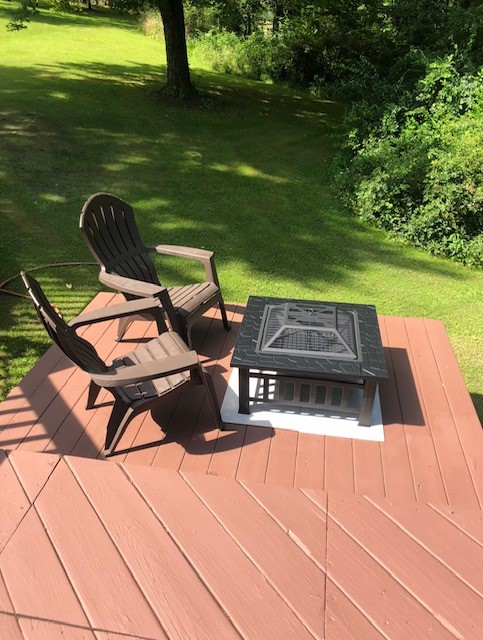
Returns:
<point x="309" y="472"/>
<point x="470" y="521"/>
<point x="255" y="454"/>
<point x="445" y="541"/>
<point x="5" y="600"/>
<point x="426" y="472"/>
<point x="394" y="611"/>
<point x="437" y="586"/>
<point x="15" y="503"/>
<point x="282" y="458"/>
<point x="345" y="621"/>
<point x="35" y="629"/>
<point x="19" y="395"/>
<point x="10" y="627"/>
<point x="339" y="465"/>
<point x="226" y="455"/>
<point x="45" y="591"/>
<point x="289" y="570"/>
<point x="396" y="463"/>
<point x="367" y="455"/>
<point x="459" y="401"/>
<point x="297" y="515"/>
<point x="457" y="478"/>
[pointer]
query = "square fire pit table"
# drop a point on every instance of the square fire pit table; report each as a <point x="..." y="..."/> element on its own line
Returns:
<point x="313" y="354"/>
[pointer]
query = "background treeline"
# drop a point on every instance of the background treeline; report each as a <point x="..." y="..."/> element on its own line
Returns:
<point x="410" y="71"/>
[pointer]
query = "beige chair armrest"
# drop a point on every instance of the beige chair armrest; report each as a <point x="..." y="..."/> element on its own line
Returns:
<point x="132" y="307"/>
<point x="201" y="255"/>
<point x="147" y="371"/>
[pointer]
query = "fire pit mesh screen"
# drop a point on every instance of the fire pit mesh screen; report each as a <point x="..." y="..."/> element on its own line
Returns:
<point x="311" y="330"/>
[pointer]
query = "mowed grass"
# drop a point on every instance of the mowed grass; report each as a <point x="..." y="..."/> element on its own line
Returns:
<point x="247" y="176"/>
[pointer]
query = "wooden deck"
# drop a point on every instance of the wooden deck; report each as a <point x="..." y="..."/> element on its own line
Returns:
<point x="432" y="452"/>
<point x="91" y="550"/>
<point x="249" y="533"/>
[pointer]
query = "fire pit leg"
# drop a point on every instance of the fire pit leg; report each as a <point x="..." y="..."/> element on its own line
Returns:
<point x="243" y="390"/>
<point x="367" y="403"/>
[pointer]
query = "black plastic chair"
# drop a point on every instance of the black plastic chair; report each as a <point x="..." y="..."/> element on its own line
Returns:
<point x="109" y="229"/>
<point x="139" y="380"/>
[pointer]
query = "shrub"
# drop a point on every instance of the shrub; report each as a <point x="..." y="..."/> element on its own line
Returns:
<point x="128" y="6"/>
<point x="199" y="19"/>
<point x="229" y="53"/>
<point x="419" y="174"/>
<point x="150" y="22"/>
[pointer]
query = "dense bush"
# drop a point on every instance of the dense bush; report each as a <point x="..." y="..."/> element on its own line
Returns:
<point x="150" y="22"/>
<point x="199" y="20"/>
<point x="128" y="6"/>
<point x="340" y="46"/>
<point x="419" y="174"/>
<point x="312" y="49"/>
<point x="229" y="53"/>
<point x="203" y="16"/>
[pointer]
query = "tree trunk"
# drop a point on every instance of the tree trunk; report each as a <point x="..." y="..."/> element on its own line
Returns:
<point x="277" y="14"/>
<point x="178" y="81"/>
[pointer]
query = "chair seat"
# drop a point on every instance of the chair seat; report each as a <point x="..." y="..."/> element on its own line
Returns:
<point x="164" y="346"/>
<point x="188" y="298"/>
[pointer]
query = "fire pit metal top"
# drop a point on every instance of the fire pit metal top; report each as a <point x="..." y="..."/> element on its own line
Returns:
<point x="309" y="329"/>
<point x="321" y="338"/>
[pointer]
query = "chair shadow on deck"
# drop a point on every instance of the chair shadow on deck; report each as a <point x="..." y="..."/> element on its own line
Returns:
<point x="230" y="439"/>
<point x="188" y="422"/>
<point x="43" y="417"/>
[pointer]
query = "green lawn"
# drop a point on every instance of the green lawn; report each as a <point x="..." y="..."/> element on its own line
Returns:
<point x="248" y="176"/>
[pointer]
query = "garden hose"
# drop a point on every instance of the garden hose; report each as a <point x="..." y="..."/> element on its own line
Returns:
<point x="43" y="266"/>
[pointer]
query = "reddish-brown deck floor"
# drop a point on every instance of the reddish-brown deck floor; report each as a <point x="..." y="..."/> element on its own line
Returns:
<point x="249" y="533"/>
<point x="91" y="550"/>
<point x="432" y="449"/>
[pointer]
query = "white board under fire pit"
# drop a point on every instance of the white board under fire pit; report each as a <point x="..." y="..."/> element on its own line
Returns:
<point x="319" y="422"/>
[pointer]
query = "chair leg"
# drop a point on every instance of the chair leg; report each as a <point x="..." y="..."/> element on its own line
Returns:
<point x="160" y="323"/>
<point x="122" y="327"/>
<point x="226" y="324"/>
<point x="187" y="337"/>
<point x="120" y="417"/>
<point x="183" y="328"/>
<point x="94" y="390"/>
<point x="212" y="399"/>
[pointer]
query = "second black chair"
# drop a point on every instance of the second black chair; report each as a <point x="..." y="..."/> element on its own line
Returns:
<point x="139" y="380"/>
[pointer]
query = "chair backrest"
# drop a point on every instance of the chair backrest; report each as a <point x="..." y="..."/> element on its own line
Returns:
<point x="109" y="229"/>
<point x="76" y="348"/>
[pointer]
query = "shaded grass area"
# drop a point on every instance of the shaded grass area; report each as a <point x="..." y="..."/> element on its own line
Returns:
<point x="247" y="176"/>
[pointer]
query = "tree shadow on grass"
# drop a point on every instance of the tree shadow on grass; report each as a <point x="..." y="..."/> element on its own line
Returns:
<point x="255" y="191"/>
